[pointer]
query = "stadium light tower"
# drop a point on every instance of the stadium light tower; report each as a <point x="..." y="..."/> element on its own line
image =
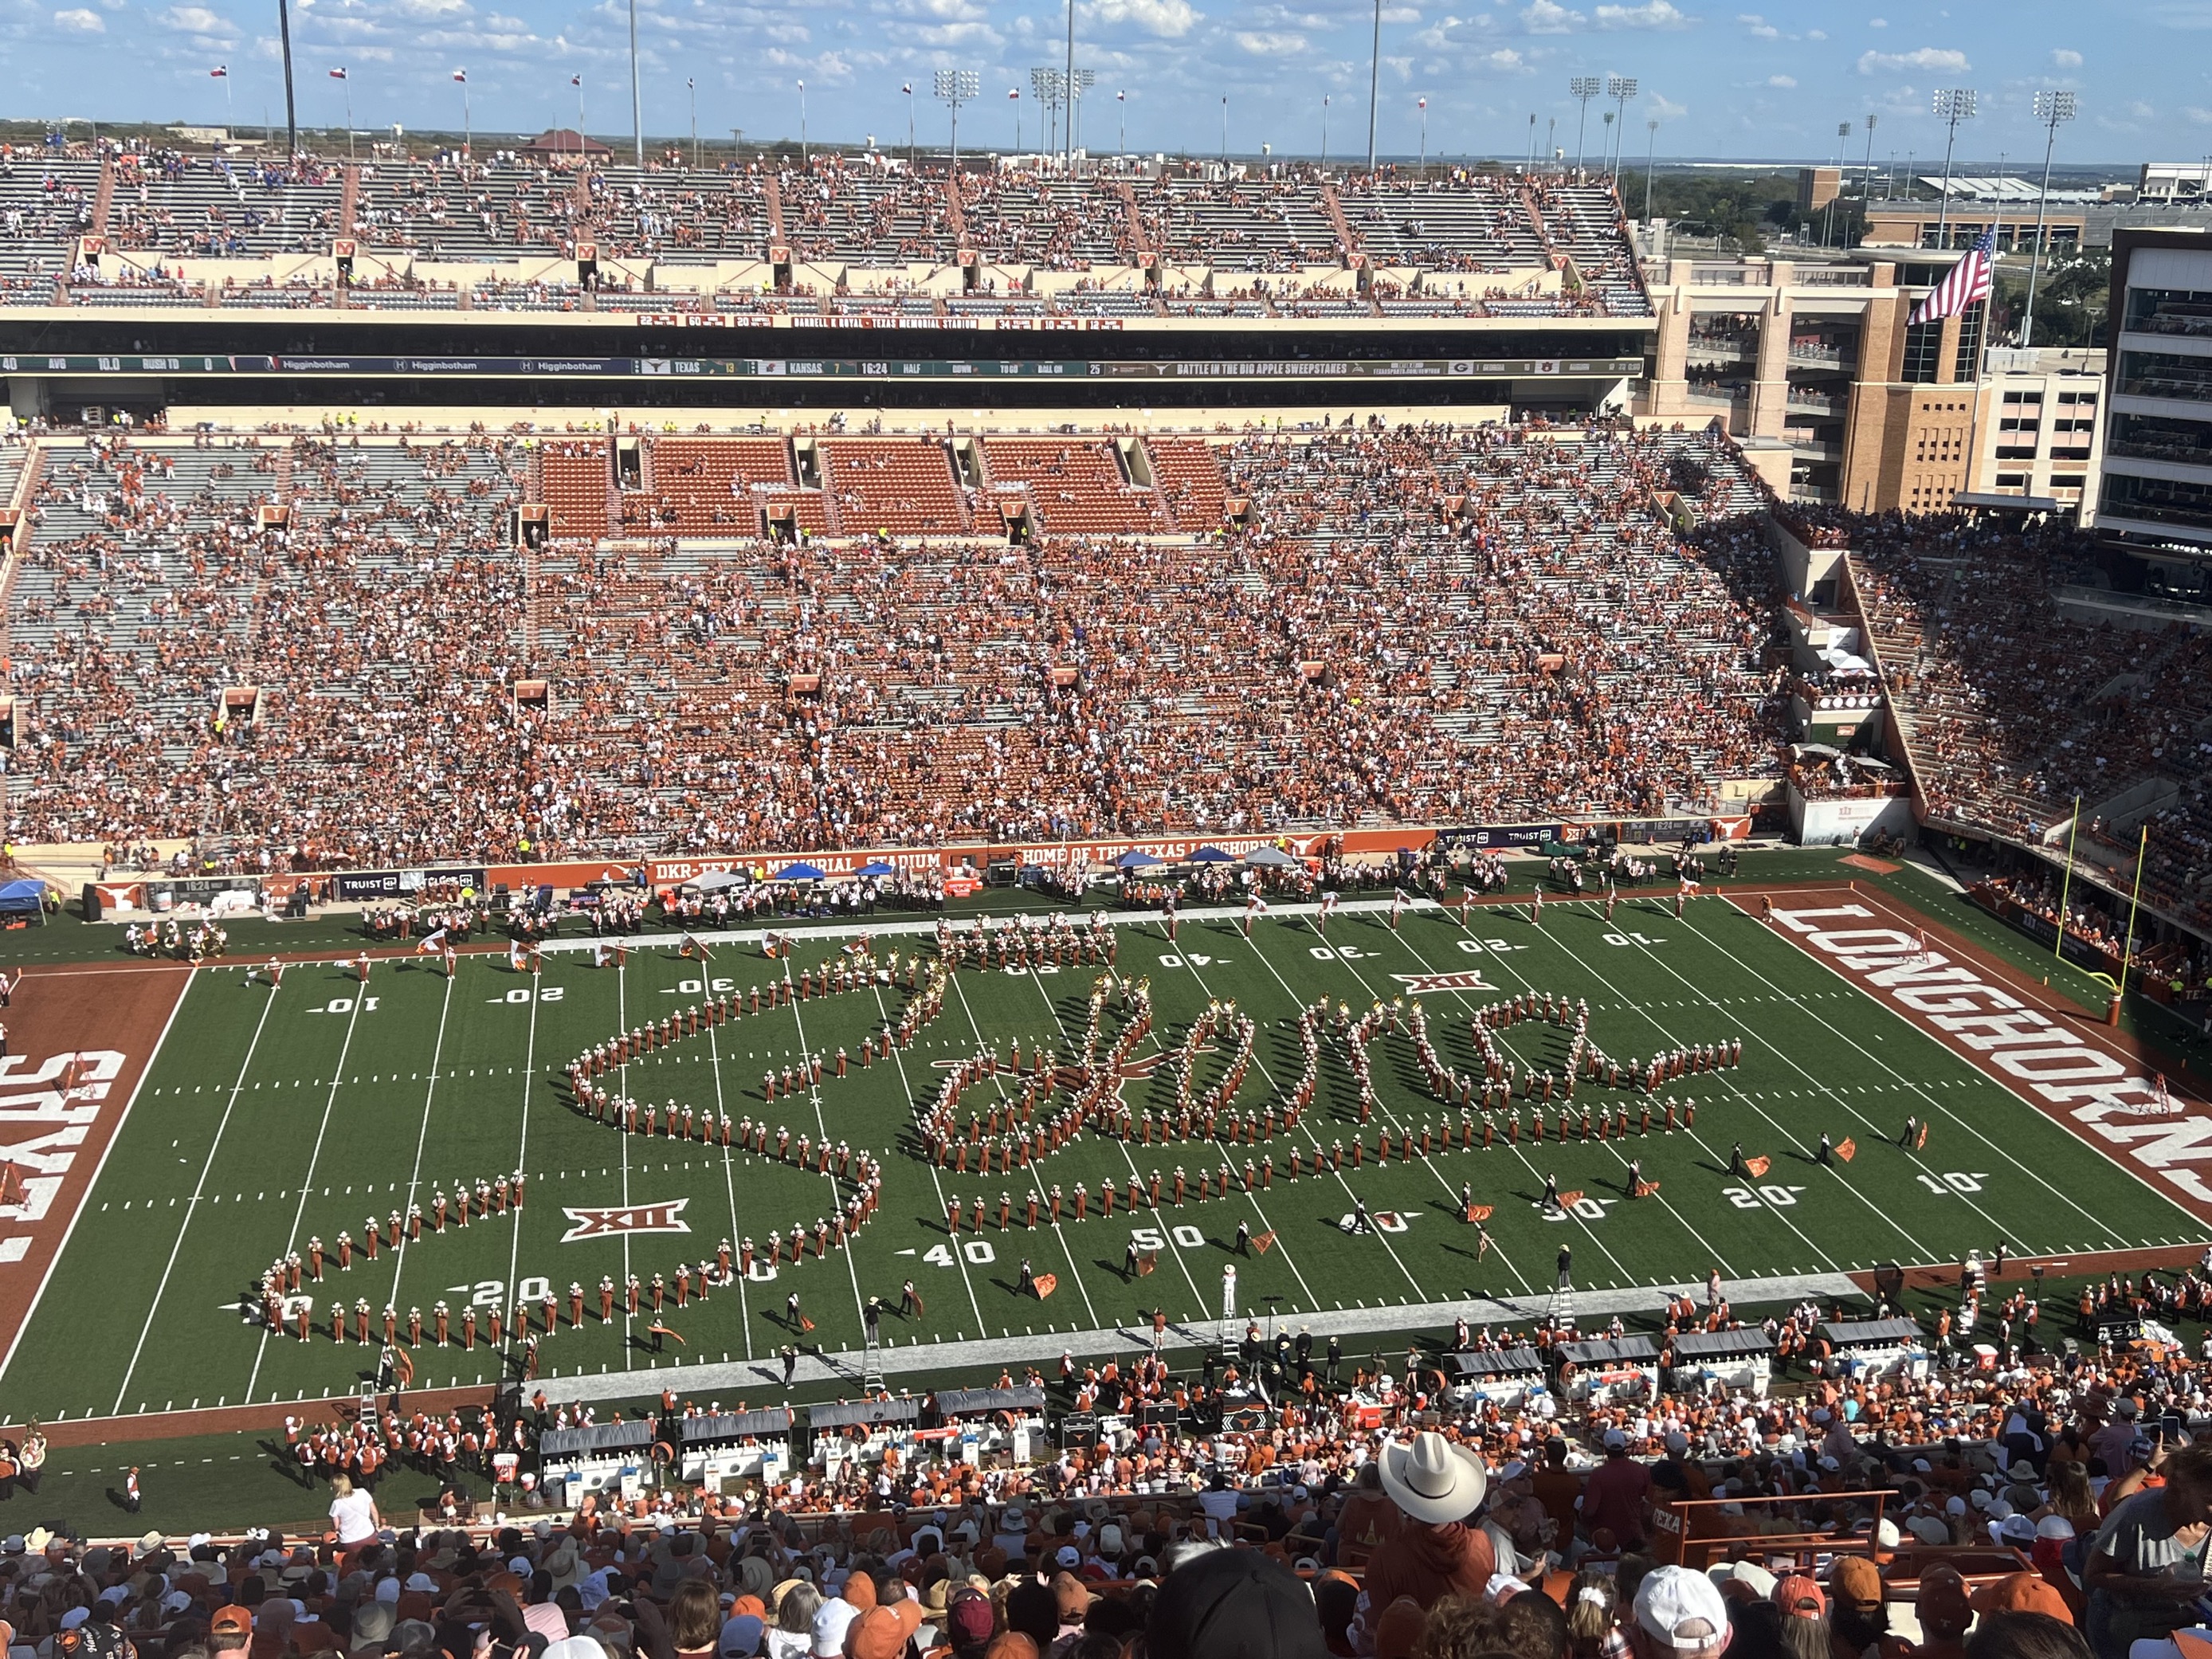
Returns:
<point x="1650" y="165"/>
<point x="1951" y="105"/>
<point x="291" y="120"/>
<point x="1581" y="88"/>
<point x="1048" y="87"/>
<point x="1374" y="84"/>
<point x="2054" y="110"/>
<point x="956" y="88"/>
<point x="636" y="99"/>
<point x="1828" y="219"/>
<point x="1621" y="88"/>
<point x="1078" y="82"/>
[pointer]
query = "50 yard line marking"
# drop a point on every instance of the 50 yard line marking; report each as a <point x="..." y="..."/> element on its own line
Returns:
<point x="1037" y="1182"/>
<point x="1393" y="1121"/>
<point x="199" y="1188"/>
<point x="307" y="1182"/>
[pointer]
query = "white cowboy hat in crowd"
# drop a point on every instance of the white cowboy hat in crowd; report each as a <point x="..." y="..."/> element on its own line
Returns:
<point x="1434" y="1480"/>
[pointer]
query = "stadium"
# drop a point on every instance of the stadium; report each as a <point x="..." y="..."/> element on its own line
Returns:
<point x="831" y="899"/>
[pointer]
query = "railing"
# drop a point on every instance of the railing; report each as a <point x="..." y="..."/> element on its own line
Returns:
<point x="1725" y="277"/>
<point x="1835" y="276"/>
<point x="1816" y="354"/>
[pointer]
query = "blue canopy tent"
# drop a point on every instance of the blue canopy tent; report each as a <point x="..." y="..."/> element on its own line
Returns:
<point x="26" y="898"/>
<point x="1212" y="855"/>
<point x="1134" y="859"/>
<point x="798" y="872"/>
<point x="877" y="867"/>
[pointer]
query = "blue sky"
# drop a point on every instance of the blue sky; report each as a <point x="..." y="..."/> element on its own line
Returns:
<point x="1722" y="81"/>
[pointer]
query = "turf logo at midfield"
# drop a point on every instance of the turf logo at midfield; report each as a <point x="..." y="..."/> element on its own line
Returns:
<point x="1465" y="979"/>
<point x="664" y="1217"/>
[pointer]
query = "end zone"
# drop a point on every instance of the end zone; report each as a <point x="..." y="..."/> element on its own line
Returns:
<point x="81" y="1047"/>
<point x="2097" y="1081"/>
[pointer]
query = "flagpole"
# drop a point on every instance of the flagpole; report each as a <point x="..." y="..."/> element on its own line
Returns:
<point x="2066" y="886"/>
<point x="2128" y="950"/>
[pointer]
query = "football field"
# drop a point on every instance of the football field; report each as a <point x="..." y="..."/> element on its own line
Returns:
<point x="269" y="1118"/>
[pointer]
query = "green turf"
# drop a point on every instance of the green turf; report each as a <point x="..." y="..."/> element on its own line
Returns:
<point x="304" y="1121"/>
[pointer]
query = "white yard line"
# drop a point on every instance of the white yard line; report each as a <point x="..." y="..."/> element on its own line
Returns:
<point x="421" y="1140"/>
<point x="314" y="1157"/>
<point x="192" y="1204"/>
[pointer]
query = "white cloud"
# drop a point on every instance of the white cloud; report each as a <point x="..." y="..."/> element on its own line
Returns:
<point x="1923" y="58"/>
<point x="1816" y="34"/>
<point x="1168" y="19"/>
<point x="80" y="20"/>
<point x="1504" y="60"/>
<point x="194" y="20"/>
<point x="1784" y="81"/>
<point x="1652" y="14"/>
<point x="1666" y="109"/>
<point x="1548" y="17"/>
<point x="1268" y="44"/>
<point x="1402" y="15"/>
<point x="2066" y="57"/>
<point x="2201" y="117"/>
<point x="1755" y="25"/>
<point x="1877" y="22"/>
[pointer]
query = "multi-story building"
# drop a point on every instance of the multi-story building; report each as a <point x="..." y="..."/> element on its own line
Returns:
<point x="2155" y="500"/>
<point x="1822" y="358"/>
<point x="2039" y="433"/>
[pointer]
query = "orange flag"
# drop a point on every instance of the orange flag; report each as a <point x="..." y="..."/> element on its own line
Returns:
<point x="805" y="1323"/>
<point x="1478" y="1212"/>
<point x="1146" y="1263"/>
<point x="1758" y="1167"/>
<point x="1261" y="1240"/>
<point x="1847" y="1149"/>
<point x="1921" y="1140"/>
<point x="1646" y="1189"/>
<point x="1568" y="1200"/>
<point x="1046" y="1285"/>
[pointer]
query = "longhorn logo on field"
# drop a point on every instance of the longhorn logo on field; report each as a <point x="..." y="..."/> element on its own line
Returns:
<point x="1464" y="979"/>
<point x="663" y="1217"/>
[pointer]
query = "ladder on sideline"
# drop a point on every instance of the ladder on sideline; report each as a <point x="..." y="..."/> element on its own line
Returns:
<point x="1561" y="1310"/>
<point x="872" y="1360"/>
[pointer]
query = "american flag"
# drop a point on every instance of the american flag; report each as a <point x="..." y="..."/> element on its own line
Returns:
<point x="1967" y="284"/>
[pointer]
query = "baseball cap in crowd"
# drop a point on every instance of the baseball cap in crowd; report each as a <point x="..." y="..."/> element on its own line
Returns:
<point x="1945" y="1608"/>
<point x="741" y="1636"/>
<point x="1802" y="1597"/>
<point x="573" y="1647"/>
<point x="2023" y="1592"/>
<point x="1681" y="1609"/>
<point x="232" y="1621"/>
<point x="1855" y="1581"/>
<point x="831" y="1625"/>
<point x="1745" y="1581"/>
<point x="969" y="1618"/>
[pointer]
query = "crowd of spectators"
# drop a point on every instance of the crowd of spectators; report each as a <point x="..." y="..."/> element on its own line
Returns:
<point x="2015" y="708"/>
<point x="1408" y="625"/>
<point x="2042" y="1506"/>
<point x="409" y="216"/>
